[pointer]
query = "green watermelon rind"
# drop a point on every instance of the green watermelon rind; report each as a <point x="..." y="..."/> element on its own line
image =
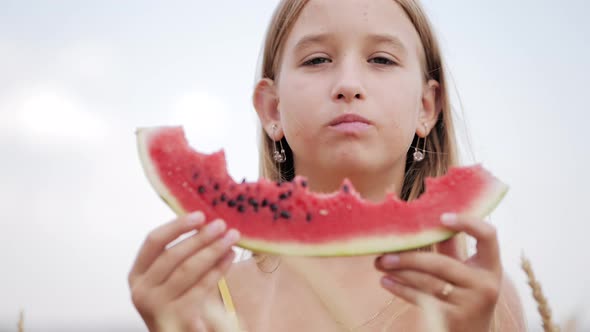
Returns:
<point x="489" y="200"/>
<point x="382" y="244"/>
<point x="356" y="247"/>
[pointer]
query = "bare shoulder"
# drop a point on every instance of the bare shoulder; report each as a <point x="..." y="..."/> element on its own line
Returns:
<point x="247" y="283"/>
<point x="251" y="292"/>
<point x="242" y="273"/>
<point x="510" y="312"/>
<point x="240" y="281"/>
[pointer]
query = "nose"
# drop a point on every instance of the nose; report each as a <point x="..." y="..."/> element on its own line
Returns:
<point x="348" y="88"/>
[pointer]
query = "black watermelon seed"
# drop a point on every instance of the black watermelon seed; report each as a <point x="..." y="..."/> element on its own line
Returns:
<point x="303" y="184"/>
<point x="223" y="198"/>
<point x="216" y="186"/>
<point x="284" y="196"/>
<point x="214" y="203"/>
<point x="285" y="214"/>
<point x="231" y="203"/>
<point x="241" y="208"/>
<point x="252" y="201"/>
<point x="240" y="198"/>
<point x="345" y="188"/>
<point x="243" y="180"/>
<point x="264" y="203"/>
<point x="202" y="189"/>
<point x="274" y="207"/>
<point x="308" y="217"/>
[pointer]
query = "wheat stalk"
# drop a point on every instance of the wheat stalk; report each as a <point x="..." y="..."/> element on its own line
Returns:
<point x="21" y="321"/>
<point x="542" y="304"/>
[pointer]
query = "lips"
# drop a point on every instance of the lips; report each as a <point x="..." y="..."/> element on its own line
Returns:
<point x="349" y="118"/>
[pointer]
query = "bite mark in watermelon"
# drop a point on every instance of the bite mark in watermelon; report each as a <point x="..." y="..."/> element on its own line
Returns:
<point x="287" y="218"/>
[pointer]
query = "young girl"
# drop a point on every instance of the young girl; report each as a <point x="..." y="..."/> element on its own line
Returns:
<point x="355" y="89"/>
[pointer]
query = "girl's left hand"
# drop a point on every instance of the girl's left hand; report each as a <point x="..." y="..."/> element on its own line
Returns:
<point x="466" y="292"/>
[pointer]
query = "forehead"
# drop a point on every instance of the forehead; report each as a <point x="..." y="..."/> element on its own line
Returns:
<point x="355" y="20"/>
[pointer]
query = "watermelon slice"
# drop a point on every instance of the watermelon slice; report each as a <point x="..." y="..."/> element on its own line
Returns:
<point x="288" y="219"/>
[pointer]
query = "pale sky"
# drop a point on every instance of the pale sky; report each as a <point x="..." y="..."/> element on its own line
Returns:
<point x="77" y="79"/>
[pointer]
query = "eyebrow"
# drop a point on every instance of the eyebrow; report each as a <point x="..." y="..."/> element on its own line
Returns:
<point x="389" y="39"/>
<point x="311" y="39"/>
<point x="375" y="38"/>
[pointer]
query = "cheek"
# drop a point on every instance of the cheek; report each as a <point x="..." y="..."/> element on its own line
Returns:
<point x="400" y="104"/>
<point x="398" y="135"/>
<point x="298" y="91"/>
<point x="296" y="125"/>
<point x="299" y="106"/>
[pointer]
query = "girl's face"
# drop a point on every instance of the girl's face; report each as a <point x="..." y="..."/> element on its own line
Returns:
<point x="350" y="92"/>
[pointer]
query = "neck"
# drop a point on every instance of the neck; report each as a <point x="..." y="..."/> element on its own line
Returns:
<point x="373" y="185"/>
<point x="342" y="283"/>
<point x="347" y="287"/>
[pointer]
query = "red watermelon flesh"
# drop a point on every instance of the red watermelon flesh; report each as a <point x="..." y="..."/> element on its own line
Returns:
<point x="286" y="218"/>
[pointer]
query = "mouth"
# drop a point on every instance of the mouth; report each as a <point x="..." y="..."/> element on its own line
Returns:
<point x="349" y="118"/>
<point x="350" y="124"/>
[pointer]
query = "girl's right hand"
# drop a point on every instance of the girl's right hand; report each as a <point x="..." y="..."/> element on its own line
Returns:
<point x="169" y="286"/>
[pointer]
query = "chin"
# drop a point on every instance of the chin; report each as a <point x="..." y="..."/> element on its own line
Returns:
<point x="353" y="162"/>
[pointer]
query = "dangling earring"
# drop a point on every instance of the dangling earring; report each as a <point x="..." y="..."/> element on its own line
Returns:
<point x="419" y="155"/>
<point x="278" y="157"/>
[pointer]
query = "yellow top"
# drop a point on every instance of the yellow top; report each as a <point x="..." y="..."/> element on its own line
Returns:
<point x="228" y="303"/>
<point x="226" y="296"/>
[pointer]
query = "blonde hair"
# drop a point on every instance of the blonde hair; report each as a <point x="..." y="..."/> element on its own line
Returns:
<point x="440" y="145"/>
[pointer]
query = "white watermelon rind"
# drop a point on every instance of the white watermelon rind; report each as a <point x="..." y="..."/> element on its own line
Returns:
<point x="356" y="247"/>
<point x="143" y="139"/>
<point x="489" y="200"/>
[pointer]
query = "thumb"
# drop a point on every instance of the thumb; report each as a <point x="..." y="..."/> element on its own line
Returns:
<point x="454" y="247"/>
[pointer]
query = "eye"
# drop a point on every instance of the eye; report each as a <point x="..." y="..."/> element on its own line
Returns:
<point x="316" y="61"/>
<point x="382" y="61"/>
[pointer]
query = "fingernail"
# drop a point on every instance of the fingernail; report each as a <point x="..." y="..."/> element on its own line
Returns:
<point x="448" y="219"/>
<point x="231" y="236"/>
<point x="389" y="260"/>
<point x="216" y="227"/>
<point x="195" y="218"/>
<point x="386" y="282"/>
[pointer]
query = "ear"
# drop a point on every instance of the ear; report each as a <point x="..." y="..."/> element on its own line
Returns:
<point x="431" y="108"/>
<point x="266" y="103"/>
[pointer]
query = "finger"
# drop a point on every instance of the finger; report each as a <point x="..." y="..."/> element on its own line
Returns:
<point x="209" y="281"/>
<point x="488" y="252"/>
<point x="427" y="283"/>
<point x="157" y="240"/>
<point x="161" y="269"/>
<point x="195" y="267"/>
<point x="405" y="292"/>
<point x="219" y="319"/>
<point x="451" y="247"/>
<point x="437" y="265"/>
<point x="200" y="326"/>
